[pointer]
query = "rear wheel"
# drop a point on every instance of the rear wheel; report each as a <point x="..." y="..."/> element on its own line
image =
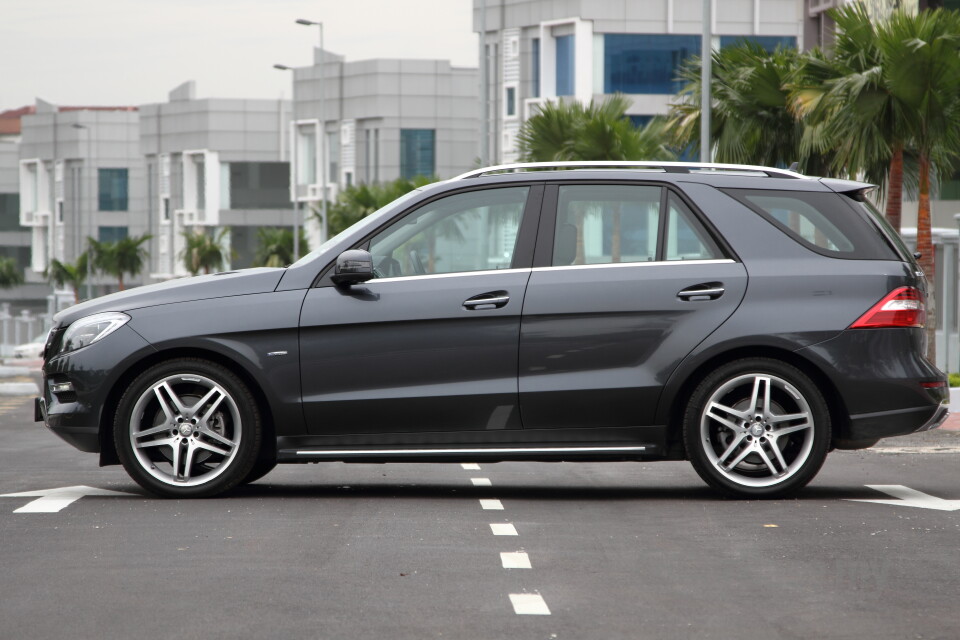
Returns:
<point x="757" y="427"/>
<point x="187" y="428"/>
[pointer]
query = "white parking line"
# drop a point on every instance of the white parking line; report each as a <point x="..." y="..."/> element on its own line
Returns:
<point x="481" y="482"/>
<point x="470" y="466"/>
<point x="531" y="604"/>
<point x="491" y="505"/>
<point x="503" y="529"/>
<point x="515" y="560"/>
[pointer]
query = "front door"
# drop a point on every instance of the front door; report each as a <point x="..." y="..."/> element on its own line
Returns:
<point x="431" y="343"/>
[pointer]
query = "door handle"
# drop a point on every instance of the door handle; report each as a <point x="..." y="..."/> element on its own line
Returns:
<point x="491" y="300"/>
<point x="700" y="292"/>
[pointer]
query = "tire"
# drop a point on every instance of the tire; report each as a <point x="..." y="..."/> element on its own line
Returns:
<point x="187" y="428"/>
<point x="757" y="428"/>
<point x="260" y="469"/>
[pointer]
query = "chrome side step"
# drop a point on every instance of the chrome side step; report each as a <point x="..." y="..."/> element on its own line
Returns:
<point x="291" y="455"/>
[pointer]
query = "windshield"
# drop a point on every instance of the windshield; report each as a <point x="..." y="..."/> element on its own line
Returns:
<point x="365" y="222"/>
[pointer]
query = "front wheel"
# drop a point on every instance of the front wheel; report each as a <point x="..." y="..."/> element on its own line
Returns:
<point x="757" y="428"/>
<point x="187" y="428"/>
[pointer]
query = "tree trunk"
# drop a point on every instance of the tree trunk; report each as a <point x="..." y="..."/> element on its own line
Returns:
<point x="895" y="189"/>
<point x="120" y="282"/>
<point x="927" y="262"/>
<point x="76" y="294"/>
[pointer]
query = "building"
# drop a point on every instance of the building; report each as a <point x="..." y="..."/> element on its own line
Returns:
<point x="213" y="164"/>
<point x="81" y="175"/>
<point x="14" y="239"/>
<point x="378" y="120"/>
<point x="540" y="50"/>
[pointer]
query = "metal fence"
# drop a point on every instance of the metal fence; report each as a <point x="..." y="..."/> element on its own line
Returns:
<point x="23" y="326"/>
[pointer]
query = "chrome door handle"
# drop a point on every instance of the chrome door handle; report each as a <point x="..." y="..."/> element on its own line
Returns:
<point x="705" y="291"/>
<point x="486" y="301"/>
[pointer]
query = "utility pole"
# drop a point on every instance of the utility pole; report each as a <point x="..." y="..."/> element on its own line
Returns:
<point x="706" y="74"/>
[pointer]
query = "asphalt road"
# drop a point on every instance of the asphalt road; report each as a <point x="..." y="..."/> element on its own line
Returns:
<point x="615" y="550"/>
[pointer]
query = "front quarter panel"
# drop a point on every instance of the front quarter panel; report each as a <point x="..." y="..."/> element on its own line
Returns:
<point x="244" y="329"/>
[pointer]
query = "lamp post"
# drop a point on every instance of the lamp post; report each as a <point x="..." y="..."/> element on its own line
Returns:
<point x="323" y="129"/>
<point x="706" y="74"/>
<point x="85" y="128"/>
<point x="294" y="165"/>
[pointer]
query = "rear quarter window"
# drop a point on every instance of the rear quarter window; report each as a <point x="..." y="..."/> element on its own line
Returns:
<point x="826" y="223"/>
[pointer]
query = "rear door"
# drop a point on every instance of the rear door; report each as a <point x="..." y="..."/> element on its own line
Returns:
<point x="627" y="280"/>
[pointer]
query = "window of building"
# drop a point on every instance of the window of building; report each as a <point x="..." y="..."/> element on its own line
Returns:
<point x="769" y="43"/>
<point x="333" y="159"/>
<point x="474" y="231"/>
<point x="566" y="65"/>
<point x="645" y="63"/>
<point x="535" y="67"/>
<point x="166" y="209"/>
<point x="111" y="234"/>
<point x="259" y="185"/>
<point x="10" y="212"/>
<point x="417" y="152"/>
<point x="113" y="189"/>
<point x="306" y="154"/>
<point x="510" y="102"/>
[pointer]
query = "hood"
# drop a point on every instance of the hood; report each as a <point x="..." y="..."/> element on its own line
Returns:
<point x="218" y="285"/>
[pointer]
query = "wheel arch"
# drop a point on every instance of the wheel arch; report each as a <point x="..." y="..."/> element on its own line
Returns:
<point x="677" y="402"/>
<point x="108" y="450"/>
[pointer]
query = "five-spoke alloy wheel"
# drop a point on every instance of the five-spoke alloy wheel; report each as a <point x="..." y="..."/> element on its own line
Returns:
<point x="757" y="427"/>
<point x="187" y="427"/>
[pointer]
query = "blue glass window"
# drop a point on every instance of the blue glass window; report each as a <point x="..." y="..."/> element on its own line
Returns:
<point x="640" y="121"/>
<point x="113" y="187"/>
<point x="645" y="63"/>
<point x="770" y="43"/>
<point x="111" y="234"/>
<point x="511" y="101"/>
<point x="417" y="152"/>
<point x="566" y="65"/>
<point x="535" y="67"/>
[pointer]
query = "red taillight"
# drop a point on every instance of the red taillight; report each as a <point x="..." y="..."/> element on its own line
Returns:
<point x="901" y="307"/>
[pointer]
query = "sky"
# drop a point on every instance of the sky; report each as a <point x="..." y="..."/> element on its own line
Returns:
<point x="132" y="52"/>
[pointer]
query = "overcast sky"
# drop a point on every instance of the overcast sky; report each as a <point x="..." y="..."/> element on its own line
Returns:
<point x="131" y="52"/>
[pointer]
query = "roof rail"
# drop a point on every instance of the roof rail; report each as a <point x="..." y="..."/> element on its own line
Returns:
<point x="665" y="167"/>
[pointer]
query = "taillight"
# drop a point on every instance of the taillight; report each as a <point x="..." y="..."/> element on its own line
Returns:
<point x="901" y="307"/>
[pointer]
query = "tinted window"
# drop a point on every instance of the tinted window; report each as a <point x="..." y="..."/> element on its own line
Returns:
<point x="112" y="192"/>
<point x="601" y="224"/>
<point x="473" y="231"/>
<point x="823" y="222"/>
<point x="686" y="239"/>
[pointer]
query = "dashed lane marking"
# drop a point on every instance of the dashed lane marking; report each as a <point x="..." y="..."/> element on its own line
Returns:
<point x="491" y="505"/>
<point x="503" y="529"/>
<point x="530" y="604"/>
<point x="515" y="560"/>
<point x="481" y="482"/>
<point x="470" y="466"/>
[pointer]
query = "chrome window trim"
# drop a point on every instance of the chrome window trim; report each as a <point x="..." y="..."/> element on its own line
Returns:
<point x="432" y="276"/>
<point x="652" y="263"/>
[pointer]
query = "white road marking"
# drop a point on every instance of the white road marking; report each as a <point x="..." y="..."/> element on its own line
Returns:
<point x="481" y="482"/>
<point x="55" y="500"/>
<point x="491" y="505"/>
<point x="530" y="604"/>
<point x="907" y="497"/>
<point x="503" y="529"/>
<point x="515" y="560"/>
<point x="471" y="466"/>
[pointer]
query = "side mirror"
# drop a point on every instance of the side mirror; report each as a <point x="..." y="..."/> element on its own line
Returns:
<point x="353" y="267"/>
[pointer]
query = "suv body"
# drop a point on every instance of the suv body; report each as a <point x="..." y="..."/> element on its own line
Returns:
<point x="748" y="319"/>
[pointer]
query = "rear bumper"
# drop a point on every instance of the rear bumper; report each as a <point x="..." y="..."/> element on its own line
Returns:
<point x="884" y="424"/>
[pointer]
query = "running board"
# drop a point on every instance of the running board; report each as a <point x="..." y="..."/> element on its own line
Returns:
<point x="479" y="453"/>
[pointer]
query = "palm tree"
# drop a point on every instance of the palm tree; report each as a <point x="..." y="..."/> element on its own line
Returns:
<point x="126" y="255"/>
<point x="10" y="274"/>
<point x="751" y="120"/>
<point x="63" y="274"/>
<point x="204" y="252"/>
<point x="598" y="131"/>
<point x="358" y="201"/>
<point x="275" y="246"/>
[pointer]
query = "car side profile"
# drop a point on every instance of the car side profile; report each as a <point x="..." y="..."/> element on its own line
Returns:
<point x="747" y="319"/>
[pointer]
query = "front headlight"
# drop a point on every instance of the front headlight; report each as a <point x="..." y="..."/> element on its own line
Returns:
<point x="88" y="330"/>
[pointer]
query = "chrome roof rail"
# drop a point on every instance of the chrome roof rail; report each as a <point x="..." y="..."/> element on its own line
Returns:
<point x="663" y="167"/>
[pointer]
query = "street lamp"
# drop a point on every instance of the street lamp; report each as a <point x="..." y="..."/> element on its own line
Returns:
<point x="293" y="169"/>
<point x="323" y="128"/>
<point x="85" y="128"/>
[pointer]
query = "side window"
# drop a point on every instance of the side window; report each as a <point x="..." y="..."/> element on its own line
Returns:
<point x="472" y="231"/>
<point x="602" y="224"/>
<point x="686" y="238"/>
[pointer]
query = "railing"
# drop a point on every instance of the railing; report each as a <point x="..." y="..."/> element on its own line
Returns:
<point x="19" y="328"/>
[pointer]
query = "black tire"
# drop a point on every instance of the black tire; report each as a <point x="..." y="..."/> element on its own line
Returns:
<point x="260" y="469"/>
<point x="749" y="448"/>
<point x="196" y="426"/>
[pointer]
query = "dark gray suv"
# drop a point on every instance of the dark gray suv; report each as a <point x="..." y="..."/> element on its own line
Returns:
<point x="745" y="318"/>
